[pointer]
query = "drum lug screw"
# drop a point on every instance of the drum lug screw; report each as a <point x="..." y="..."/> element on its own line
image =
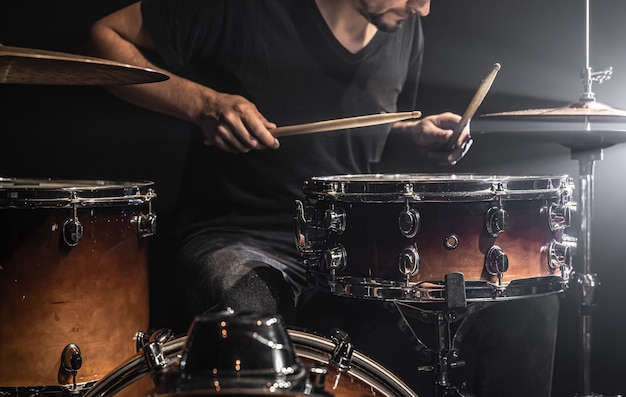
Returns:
<point x="152" y="348"/>
<point x="72" y="232"/>
<point x="409" y="262"/>
<point x="497" y="221"/>
<point x="342" y="354"/>
<point x="561" y="256"/>
<point x="71" y="361"/>
<point x="72" y="228"/>
<point x="496" y="262"/>
<point x="560" y="215"/>
<point x="335" y="220"/>
<point x="336" y="258"/>
<point x="146" y="225"/>
<point x="409" y="222"/>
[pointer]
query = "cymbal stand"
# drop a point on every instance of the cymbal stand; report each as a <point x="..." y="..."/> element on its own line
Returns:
<point x="586" y="282"/>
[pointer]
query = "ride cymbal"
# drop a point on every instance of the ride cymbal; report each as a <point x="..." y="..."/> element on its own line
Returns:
<point x="33" y="66"/>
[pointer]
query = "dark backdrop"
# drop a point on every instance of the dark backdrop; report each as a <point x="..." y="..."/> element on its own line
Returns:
<point x="84" y="133"/>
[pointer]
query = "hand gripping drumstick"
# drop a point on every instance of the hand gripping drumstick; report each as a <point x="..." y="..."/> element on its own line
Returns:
<point x="341" y="124"/>
<point x="473" y="106"/>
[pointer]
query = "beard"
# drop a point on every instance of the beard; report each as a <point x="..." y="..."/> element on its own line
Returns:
<point x="378" y="19"/>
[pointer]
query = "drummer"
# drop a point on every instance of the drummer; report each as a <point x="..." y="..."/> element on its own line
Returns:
<point x="237" y="70"/>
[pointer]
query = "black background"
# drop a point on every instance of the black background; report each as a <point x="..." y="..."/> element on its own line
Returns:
<point x="85" y="133"/>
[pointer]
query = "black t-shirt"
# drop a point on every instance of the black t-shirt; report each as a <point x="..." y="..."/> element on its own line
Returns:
<point x="281" y="55"/>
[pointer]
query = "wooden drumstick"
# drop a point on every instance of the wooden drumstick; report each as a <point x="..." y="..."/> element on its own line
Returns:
<point x="342" y="124"/>
<point x="345" y="123"/>
<point x="473" y="106"/>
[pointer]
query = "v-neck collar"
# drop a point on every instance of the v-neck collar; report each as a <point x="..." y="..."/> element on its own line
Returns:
<point x="332" y="41"/>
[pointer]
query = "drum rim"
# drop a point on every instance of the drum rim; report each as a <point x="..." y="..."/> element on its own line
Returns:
<point x="434" y="291"/>
<point x="62" y="193"/>
<point x="436" y="187"/>
<point x="365" y="370"/>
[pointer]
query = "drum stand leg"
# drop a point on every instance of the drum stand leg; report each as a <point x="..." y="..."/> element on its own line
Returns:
<point x="445" y="355"/>
<point x="585" y="280"/>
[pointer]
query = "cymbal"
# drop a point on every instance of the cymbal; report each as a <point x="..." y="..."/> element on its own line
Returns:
<point x="573" y="138"/>
<point x="33" y="66"/>
<point x="577" y="111"/>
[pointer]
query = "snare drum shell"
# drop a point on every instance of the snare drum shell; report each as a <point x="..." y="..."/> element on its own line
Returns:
<point x="374" y="242"/>
<point x="93" y="294"/>
<point x="451" y="234"/>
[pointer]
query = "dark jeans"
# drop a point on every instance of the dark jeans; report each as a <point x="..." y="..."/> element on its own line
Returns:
<point x="508" y="347"/>
<point x="222" y="272"/>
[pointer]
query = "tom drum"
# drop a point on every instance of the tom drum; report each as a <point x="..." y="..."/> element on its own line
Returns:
<point x="73" y="279"/>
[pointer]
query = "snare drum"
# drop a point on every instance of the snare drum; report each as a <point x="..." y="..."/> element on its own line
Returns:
<point x="251" y="359"/>
<point x="398" y="236"/>
<point x="73" y="278"/>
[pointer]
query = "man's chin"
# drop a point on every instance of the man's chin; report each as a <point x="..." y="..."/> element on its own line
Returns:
<point x="390" y="28"/>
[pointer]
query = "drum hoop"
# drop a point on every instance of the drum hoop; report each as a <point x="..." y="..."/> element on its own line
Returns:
<point x="363" y="372"/>
<point x="435" y="187"/>
<point x="135" y="368"/>
<point x="33" y="193"/>
<point x="434" y="291"/>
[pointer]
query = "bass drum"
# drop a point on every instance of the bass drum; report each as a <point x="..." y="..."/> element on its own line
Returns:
<point x="73" y="279"/>
<point x="364" y="377"/>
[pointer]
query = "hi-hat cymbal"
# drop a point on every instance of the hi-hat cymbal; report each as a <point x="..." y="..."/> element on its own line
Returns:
<point x="577" y="111"/>
<point x="32" y="66"/>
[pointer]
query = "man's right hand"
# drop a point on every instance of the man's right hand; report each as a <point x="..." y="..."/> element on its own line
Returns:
<point x="234" y="124"/>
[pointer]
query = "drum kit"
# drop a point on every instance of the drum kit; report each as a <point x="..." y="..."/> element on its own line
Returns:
<point x="455" y="242"/>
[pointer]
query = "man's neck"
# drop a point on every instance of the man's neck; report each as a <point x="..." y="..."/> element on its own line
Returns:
<point x="350" y="28"/>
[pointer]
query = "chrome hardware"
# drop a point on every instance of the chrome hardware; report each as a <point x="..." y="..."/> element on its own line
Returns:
<point x="71" y="361"/>
<point x="335" y="220"/>
<point x="560" y="215"/>
<point x="451" y="242"/>
<point x="72" y="232"/>
<point x="409" y="262"/>
<point x="335" y="258"/>
<point x="496" y="262"/>
<point x="146" y="223"/>
<point x="153" y="355"/>
<point x="161" y="336"/>
<point x="560" y="255"/>
<point x="342" y="354"/>
<point x="497" y="187"/>
<point x="151" y="346"/>
<point x="300" y="229"/>
<point x="409" y="221"/>
<point x="316" y="380"/>
<point x="587" y="284"/>
<point x="496" y="221"/>
<point x="72" y="228"/>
